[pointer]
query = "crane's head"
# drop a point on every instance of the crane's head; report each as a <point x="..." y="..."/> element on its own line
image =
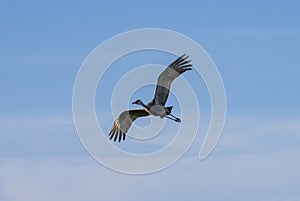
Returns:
<point x="138" y="102"/>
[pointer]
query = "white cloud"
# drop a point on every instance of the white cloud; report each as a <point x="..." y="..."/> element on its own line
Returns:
<point x="59" y="179"/>
<point x="229" y="177"/>
<point x="256" y="159"/>
<point x="251" y="134"/>
<point x="38" y="135"/>
<point x="260" y="33"/>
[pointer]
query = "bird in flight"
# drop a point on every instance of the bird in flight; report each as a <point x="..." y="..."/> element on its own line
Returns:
<point x="156" y="106"/>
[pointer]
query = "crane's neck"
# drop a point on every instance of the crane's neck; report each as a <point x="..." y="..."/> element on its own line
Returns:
<point x="142" y="104"/>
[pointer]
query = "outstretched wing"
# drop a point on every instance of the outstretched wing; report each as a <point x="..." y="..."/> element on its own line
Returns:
<point x="123" y="123"/>
<point x="166" y="78"/>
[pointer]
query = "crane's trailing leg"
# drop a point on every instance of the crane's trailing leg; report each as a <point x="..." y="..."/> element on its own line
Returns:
<point x="175" y="118"/>
<point x="168" y="111"/>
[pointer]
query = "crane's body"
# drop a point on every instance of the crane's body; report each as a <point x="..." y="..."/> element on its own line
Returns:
<point x="156" y="106"/>
<point x="158" y="110"/>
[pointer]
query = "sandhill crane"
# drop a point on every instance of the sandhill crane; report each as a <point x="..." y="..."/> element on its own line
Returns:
<point x="156" y="106"/>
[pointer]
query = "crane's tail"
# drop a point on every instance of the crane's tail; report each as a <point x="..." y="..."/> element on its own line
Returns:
<point x="169" y="110"/>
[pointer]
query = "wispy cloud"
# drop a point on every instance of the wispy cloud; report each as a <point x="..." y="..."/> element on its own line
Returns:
<point x="240" y="162"/>
<point x="258" y="135"/>
<point x="38" y="136"/>
<point x="252" y="176"/>
<point x="261" y="33"/>
<point x="59" y="179"/>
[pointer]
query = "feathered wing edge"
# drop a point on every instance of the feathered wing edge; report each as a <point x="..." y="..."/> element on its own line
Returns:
<point x="118" y="133"/>
<point x="180" y="62"/>
<point x="165" y="79"/>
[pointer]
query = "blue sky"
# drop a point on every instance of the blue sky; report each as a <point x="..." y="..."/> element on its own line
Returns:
<point x="255" y="46"/>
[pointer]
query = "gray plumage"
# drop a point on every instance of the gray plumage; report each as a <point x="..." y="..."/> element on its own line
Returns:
<point x="156" y="106"/>
<point x="166" y="78"/>
<point x="123" y="123"/>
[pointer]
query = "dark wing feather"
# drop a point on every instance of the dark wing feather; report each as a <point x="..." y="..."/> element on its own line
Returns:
<point x="123" y="123"/>
<point x="166" y="78"/>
